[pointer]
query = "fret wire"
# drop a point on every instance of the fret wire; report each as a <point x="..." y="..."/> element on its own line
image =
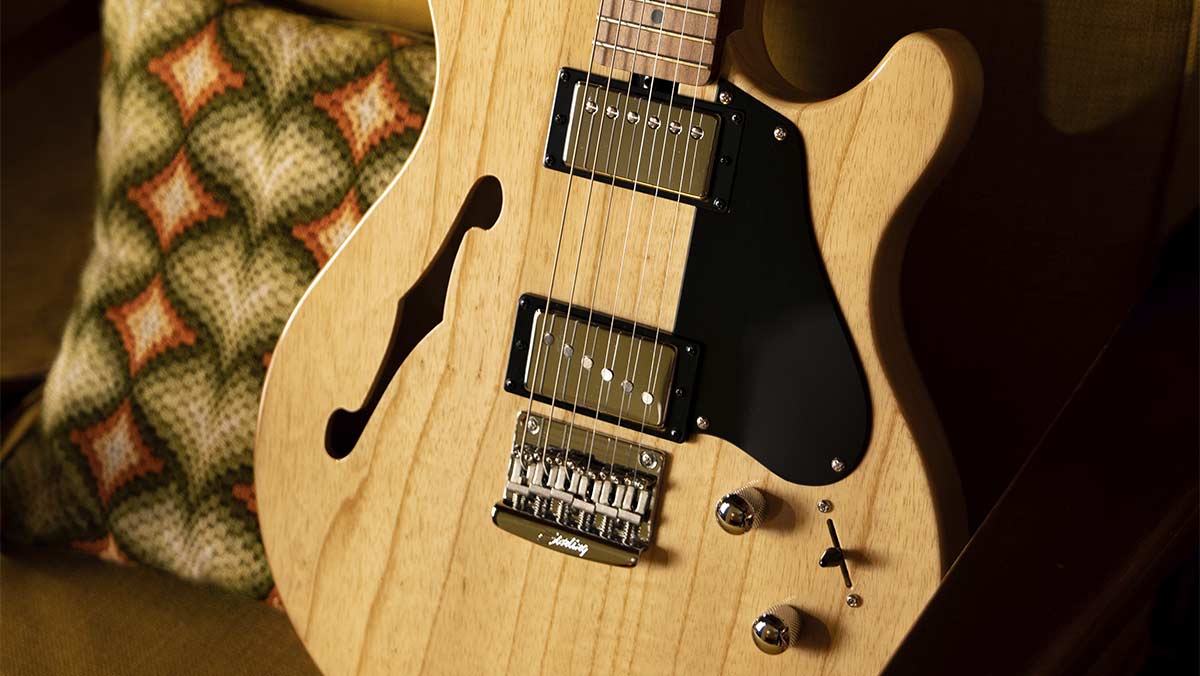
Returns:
<point x="678" y="8"/>
<point x="663" y="31"/>
<point x="640" y="52"/>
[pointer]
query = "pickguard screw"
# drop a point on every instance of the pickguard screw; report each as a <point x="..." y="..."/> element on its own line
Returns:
<point x="522" y="303"/>
<point x="725" y="98"/>
<point x="736" y="118"/>
<point x="559" y="118"/>
<point x="780" y="133"/>
<point x="853" y="600"/>
<point x="725" y="160"/>
<point x="549" y="161"/>
<point x="562" y="75"/>
<point x="648" y="460"/>
<point x="702" y="422"/>
<point x="679" y="392"/>
<point x="824" y="506"/>
<point x="508" y="382"/>
<point x="674" y="433"/>
<point x="520" y="344"/>
<point x="837" y="465"/>
<point x="689" y="349"/>
<point x="718" y="203"/>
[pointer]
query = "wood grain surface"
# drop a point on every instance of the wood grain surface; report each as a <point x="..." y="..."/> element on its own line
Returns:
<point x="387" y="560"/>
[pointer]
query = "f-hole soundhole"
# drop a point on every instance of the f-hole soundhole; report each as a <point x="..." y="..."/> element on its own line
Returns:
<point x="416" y="315"/>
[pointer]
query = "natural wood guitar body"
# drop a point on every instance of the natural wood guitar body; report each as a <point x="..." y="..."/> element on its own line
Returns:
<point x="387" y="561"/>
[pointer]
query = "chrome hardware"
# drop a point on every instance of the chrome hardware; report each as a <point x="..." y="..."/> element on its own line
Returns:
<point x="725" y="98"/>
<point x="853" y="600"/>
<point x="780" y="133"/>
<point x="742" y="510"/>
<point x="649" y="460"/>
<point x="559" y="494"/>
<point x="702" y="423"/>
<point x="824" y="506"/>
<point x="776" y="629"/>
<point x="837" y="465"/>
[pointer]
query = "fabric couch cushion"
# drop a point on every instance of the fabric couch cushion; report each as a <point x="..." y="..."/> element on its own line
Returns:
<point x="239" y="145"/>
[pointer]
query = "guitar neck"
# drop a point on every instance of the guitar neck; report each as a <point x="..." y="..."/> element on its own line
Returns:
<point x="668" y="40"/>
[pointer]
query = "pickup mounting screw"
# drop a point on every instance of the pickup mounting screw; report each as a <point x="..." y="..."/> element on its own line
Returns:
<point x="824" y="506"/>
<point x="648" y="460"/>
<point x="838" y="465"/>
<point x="702" y="422"/>
<point x="780" y="133"/>
<point x="725" y="98"/>
<point x="853" y="600"/>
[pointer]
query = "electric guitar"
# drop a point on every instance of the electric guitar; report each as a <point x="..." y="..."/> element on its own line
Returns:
<point x="613" y="378"/>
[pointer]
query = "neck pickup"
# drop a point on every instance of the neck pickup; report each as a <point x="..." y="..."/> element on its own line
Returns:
<point x="657" y="141"/>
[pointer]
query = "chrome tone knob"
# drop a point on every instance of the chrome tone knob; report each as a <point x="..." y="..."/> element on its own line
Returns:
<point x="742" y="510"/>
<point x="776" y="629"/>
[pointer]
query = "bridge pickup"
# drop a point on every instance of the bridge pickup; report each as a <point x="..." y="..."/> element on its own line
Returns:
<point x="580" y="492"/>
<point x="596" y="365"/>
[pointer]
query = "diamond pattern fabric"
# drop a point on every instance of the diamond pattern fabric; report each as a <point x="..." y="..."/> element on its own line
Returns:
<point x="239" y="146"/>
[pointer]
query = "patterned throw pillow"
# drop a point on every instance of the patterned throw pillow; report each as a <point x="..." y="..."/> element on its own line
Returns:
<point x="239" y="145"/>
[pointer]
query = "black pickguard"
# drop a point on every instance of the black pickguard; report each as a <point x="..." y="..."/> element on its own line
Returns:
<point x="780" y="376"/>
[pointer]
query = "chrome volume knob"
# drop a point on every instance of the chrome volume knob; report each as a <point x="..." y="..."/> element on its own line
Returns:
<point x="776" y="629"/>
<point x="742" y="510"/>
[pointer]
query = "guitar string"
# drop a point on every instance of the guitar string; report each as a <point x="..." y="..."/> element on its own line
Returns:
<point x="582" y="381"/>
<point x="649" y="238"/>
<point x="561" y="227"/>
<point x="559" y="370"/>
<point x="656" y="349"/>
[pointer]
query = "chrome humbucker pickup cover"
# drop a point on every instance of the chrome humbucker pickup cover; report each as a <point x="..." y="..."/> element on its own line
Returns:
<point x="580" y="492"/>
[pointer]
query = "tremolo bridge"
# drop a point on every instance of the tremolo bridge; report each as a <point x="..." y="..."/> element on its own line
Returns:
<point x="578" y="492"/>
<point x="569" y="487"/>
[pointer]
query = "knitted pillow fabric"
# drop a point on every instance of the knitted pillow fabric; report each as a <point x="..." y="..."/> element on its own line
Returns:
<point x="239" y="145"/>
